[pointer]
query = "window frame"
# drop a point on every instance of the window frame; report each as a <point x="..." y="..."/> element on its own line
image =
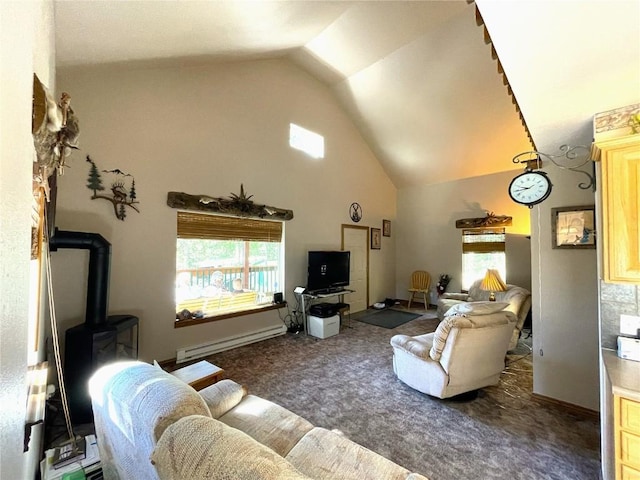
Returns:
<point x="484" y="247"/>
<point x="193" y="225"/>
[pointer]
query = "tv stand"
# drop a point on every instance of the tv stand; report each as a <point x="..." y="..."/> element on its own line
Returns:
<point x="307" y="298"/>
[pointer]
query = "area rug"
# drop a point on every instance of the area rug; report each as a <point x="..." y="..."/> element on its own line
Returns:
<point x="387" y="318"/>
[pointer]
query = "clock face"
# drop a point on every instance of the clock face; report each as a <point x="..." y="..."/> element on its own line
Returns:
<point x="530" y="188"/>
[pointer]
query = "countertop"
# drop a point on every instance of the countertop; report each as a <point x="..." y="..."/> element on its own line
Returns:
<point x="624" y="375"/>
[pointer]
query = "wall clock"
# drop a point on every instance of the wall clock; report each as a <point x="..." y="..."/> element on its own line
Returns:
<point x="355" y="212"/>
<point x="530" y="188"/>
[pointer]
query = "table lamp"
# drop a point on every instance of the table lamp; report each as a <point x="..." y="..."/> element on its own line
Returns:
<point x="493" y="283"/>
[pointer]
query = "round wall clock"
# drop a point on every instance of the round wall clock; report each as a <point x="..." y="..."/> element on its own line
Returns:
<point x="355" y="212"/>
<point x="530" y="188"/>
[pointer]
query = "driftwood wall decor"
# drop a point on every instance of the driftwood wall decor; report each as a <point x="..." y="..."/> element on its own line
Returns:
<point x="239" y="205"/>
<point x="490" y="220"/>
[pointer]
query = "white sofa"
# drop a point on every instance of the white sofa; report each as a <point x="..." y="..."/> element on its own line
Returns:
<point x="150" y="425"/>
<point x="518" y="298"/>
<point x="466" y="352"/>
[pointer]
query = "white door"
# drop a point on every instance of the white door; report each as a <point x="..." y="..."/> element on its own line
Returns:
<point x="356" y="240"/>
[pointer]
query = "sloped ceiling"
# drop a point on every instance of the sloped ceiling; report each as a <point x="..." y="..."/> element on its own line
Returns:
<point x="567" y="61"/>
<point x="416" y="77"/>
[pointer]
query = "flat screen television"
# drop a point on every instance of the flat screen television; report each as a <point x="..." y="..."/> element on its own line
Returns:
<point x="328" y="271"/>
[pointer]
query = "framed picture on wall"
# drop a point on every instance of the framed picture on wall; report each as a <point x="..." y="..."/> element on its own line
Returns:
<point x="375" y="239"/>
<point x="573" y="227"/>
<point x="386" y="228"/>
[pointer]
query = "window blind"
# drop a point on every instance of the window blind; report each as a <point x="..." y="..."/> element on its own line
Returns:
<point x="482" y="240"/>
<point x="217" y="227"/>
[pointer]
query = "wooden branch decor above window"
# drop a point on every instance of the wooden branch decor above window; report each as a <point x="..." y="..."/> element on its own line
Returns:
<point x="239" y="205"/>
<point x="490" y="220"/>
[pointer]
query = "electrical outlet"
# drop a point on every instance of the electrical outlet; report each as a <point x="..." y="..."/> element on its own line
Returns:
<point x="629" y="325"/>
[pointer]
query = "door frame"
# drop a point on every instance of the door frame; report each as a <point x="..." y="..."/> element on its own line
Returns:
<point x="343" y="227"/>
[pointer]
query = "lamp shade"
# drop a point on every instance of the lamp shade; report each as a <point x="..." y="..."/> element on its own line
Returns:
<point x="492" y="282"/>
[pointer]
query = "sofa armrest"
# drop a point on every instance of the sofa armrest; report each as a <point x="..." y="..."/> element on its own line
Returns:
<point x="419" y="346"/>
<point x="222" y="396"/>
<point x="463" y="297"/>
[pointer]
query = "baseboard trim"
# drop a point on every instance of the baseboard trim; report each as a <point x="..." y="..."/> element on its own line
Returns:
<point x="569" y="407"/>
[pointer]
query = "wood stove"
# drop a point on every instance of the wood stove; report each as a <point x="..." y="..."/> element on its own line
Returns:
<point x="101" y="339"/>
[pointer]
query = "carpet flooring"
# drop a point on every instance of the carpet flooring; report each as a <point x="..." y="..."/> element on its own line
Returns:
<point x="346" y="382"/>
<point x="387" y="318"/>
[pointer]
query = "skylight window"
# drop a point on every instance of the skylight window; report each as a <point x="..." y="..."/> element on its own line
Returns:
<point x="309" y="142"/>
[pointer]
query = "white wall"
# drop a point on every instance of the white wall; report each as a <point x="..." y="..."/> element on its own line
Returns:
<point x="565" y="303"/>
<point x="428" y="238"/>
<point x="205" y="129"/>
<point x="27" y="46"/>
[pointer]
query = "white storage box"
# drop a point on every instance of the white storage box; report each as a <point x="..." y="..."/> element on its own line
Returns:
<point x="324" y="327"/>
<point x="629" y="348"/>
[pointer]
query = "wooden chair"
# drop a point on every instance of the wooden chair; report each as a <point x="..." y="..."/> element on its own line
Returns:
<point x="420" y="283"/>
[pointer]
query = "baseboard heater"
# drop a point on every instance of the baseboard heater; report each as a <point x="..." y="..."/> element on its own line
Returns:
<point x="197" y="351"/>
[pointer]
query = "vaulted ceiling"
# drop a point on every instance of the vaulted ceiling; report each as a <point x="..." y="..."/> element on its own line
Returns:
<point x="417" y="78"/>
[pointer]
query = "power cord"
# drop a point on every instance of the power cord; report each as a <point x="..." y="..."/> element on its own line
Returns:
<point x="522" y="357"/>
<point x="522" y="343"/>
<point x="291" y="319"/>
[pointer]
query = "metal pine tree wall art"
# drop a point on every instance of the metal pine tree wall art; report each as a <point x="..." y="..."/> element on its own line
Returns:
<point x="123" y="188"/>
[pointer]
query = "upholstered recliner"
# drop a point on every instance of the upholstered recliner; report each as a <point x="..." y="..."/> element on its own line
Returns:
<point x="518" y="298"/>
<point x="466" y="352"/>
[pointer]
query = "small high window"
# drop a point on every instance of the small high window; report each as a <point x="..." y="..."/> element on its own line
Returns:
<point x="309" y="142"/>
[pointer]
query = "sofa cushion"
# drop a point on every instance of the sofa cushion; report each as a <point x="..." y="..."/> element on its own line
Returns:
<point x="322" y="454"/>
<point x="268" y="423"/>
<point x="467" y="321"/>
<point x="202" y="448"/>
<point x="476" y="308"/>
<point x="222" y="396"/>
<point x="442" y="333"/>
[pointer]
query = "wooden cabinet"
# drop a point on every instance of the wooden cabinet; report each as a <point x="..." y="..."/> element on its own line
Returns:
<point x="627" y="438"/>
<point x="620" y="237"/>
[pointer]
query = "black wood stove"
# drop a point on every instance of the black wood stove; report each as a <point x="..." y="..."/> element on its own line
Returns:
<point x="102" y="338"/>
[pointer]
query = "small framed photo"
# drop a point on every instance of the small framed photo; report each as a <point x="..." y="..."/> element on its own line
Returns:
<point x="573" y="227"/>
<point x="386" y="228"/>
<point x="375" y="239"/>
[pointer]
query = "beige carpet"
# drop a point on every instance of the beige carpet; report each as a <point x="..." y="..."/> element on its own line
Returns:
<point x="346" y="382"/>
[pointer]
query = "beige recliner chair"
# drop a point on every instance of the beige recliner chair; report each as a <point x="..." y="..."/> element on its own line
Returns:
<point x="518" y="298"/>
<point x="466" y="352"/>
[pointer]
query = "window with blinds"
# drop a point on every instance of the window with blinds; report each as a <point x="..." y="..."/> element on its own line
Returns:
<point x="226" y="264"/>
<point x="482" y="248"/>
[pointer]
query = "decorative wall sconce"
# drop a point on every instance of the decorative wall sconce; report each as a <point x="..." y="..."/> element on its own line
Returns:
<point x="570" y="158"/>
<point x="123" y="193"/>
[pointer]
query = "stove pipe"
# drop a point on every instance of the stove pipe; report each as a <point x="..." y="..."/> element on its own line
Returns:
<point x="99" y="262"/>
